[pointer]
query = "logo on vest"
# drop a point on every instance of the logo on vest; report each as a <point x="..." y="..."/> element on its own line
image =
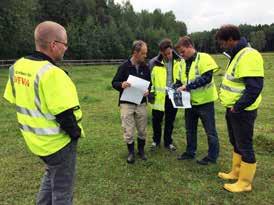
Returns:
<point x="21" y="81"/>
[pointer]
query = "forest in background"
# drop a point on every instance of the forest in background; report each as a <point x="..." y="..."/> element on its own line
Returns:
<point x="103" y="29"/>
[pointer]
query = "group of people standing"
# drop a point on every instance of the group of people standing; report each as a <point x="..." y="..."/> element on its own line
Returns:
<point x="49" y="113"/>
<point x="183" y="68"/>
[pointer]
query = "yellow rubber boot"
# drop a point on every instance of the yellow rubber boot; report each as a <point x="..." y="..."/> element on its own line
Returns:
<point x="234" y="173"/>
<point x="246" y="175"/>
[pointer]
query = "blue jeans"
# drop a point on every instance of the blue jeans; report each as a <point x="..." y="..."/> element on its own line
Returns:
<point x="206" y="113"/>
<point x="57" y="184"/>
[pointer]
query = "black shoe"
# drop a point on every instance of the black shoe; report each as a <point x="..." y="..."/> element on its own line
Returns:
<point x="206" y="161"/>
<point x="185" y="156"/>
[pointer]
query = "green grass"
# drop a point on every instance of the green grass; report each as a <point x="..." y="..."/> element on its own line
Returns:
<point x="104" y="177"/>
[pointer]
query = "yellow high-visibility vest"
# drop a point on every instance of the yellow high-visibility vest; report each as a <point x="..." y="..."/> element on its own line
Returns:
<point x="202" y="64"/>
<point x="158" y="80"/>
<point x="40" y="90"/>
<point x="248" y="62"/>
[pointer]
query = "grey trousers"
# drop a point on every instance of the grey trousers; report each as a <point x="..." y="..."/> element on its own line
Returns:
<point x="58" y="181"/>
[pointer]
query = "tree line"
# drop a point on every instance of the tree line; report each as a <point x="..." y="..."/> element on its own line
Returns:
<point x="103" y="29"/>
<point x="260" y="37"/>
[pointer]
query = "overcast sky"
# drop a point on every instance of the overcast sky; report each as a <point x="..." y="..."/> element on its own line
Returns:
<point x="200" y="15"/>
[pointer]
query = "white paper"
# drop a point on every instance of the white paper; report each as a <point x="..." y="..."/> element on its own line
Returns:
<point x="135" y="92"/>
<point x="179" y="99"/>
<point x="186" y="99"/>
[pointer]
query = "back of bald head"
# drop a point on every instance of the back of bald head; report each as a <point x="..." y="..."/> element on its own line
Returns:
<point x="47" y="32"/>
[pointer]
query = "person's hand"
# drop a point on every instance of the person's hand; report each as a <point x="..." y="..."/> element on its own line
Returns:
<point x="232" y="110"/>
<point x="75" y="133"/>
<point x="146" y="93"/>
<point x="151" y="97"/>
<point x="125" y="84"/>
<point x="182" y="88"/>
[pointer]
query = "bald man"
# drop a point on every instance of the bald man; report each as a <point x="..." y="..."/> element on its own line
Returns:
<point x="51" y="39"/>
<point x="48" y="111"/>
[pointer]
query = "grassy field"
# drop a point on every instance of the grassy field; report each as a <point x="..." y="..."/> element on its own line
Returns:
<point x="104" y="177"/>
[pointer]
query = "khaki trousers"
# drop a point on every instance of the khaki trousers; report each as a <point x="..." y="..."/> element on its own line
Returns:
<point x="133" y="116"/>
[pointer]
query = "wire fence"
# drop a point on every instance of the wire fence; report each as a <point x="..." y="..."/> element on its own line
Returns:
<point x="9" y="62"/>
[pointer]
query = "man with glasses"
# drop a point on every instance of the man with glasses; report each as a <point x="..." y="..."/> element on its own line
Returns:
<point x="48" y="111"/>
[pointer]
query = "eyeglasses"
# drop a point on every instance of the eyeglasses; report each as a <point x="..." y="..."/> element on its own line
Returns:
<point x="65" y="44"/>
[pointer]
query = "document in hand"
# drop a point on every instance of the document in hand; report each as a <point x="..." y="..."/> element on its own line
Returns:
<point x="179" y="99"/>
<point x="136" y="91"/>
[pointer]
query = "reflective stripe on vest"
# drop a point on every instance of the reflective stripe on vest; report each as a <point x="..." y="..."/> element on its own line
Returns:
<point x="232" y="78"/>
<point x="161" y="90"/>
<point x="11" y="73"/>
<point x="35" y="113"/>
<point x="196" y="67"/>
<point x="197" y="75"/>
<point x="239" y="58"/>
<point x="158" y="107"/>
<point x="234" y="90"/>
<point x="158" y="78"/>
<point x="203" y="63"/>
<point x="36" y="85"/>
<point x="41" y="131"/>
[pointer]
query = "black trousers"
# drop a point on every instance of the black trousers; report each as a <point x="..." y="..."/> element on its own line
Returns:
<point x="240" y="127"/>
<point x="157" y="118"/>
